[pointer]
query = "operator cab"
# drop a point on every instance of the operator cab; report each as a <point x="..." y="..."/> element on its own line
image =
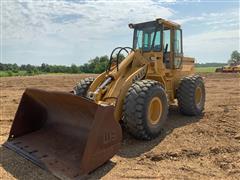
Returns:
<point x="159" y="36"/>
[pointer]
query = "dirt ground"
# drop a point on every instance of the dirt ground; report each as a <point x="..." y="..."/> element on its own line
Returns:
<point x="203" y="147"/>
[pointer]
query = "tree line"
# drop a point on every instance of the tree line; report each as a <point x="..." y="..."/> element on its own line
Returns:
<point x="96" y="65"/>
<point x="233" y="61"/>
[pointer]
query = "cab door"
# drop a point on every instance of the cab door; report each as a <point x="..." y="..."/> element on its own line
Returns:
<point x="167" y="47"/>
<point x="177" y="48"/>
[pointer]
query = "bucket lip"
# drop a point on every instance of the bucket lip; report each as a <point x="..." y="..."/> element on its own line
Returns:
<point x="8" y="144"/>
<point x="29" y="91"/>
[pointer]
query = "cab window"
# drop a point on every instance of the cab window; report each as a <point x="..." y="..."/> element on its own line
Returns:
<point x="177" y="48"/>
<point x="143" y="39"/>
<point x="177" y="42"/>
<point x="157" y="42"/>
<point x="167" y="40"/>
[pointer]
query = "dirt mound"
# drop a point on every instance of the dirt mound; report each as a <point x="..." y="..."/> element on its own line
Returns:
<point x="202" y="147"/>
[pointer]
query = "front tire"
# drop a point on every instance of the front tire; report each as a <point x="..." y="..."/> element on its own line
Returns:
<point x="191" y="95"/>
<point x="145" y="109"/>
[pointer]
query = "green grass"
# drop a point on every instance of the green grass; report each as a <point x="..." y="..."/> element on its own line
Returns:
<point x="11" y="73"/>
<point x="25" y="73"/>
<point x="206" y="69"/>
<point x="4" y="74"/>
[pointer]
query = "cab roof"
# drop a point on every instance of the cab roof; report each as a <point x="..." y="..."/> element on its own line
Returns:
<point x="153" y="23"/>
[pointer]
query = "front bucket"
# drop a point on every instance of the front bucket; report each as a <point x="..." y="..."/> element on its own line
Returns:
<point x="63" y="133"/>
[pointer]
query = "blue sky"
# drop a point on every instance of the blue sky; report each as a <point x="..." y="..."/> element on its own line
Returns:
<point x="69" y="31"/>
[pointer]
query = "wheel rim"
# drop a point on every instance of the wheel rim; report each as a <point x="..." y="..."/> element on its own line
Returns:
<point x="155" y="110"/>
<point x="198" y="95"/>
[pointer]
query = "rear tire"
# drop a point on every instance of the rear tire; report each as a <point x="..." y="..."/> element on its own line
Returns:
<point x="82" y="87"/>
<point x="145" y="109"/>
<point x="191" y="95"/>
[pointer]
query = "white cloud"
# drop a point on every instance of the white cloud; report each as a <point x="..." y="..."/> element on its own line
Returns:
<point x="74" y="30"/>
<point x="211" y="45"/>
<point x="214" y="36"/>
<point x="218" y="36"/>
<point x="213" y="21"/>
<point x="79" y="29"/>
<point x="36" y="18"/>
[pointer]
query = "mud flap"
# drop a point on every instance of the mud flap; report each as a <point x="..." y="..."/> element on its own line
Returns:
<point x="65" y="134"/>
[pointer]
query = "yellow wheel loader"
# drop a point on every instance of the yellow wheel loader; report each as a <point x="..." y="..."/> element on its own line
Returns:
<point x="231" y="68"/>
<point x="71" y="134"/>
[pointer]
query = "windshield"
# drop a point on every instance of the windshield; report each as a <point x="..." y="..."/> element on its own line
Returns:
<point x="144" y="37"/>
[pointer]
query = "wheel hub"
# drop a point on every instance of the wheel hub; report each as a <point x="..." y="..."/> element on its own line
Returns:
<point x="198" y="95"/>
<point x="154" y="110"/>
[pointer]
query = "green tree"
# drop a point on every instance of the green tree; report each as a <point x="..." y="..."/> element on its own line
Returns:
<point x="235" y="58"/>
<point x="15" y="68"/>
<point x="74" y="69"/>
<point x="100" y="66"/>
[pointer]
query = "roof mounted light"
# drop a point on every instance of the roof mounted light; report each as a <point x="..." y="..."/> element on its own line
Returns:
<point x="130" y="26"/>
<point x="160" y="20"/>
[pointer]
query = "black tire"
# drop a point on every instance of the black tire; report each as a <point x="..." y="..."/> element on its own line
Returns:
<point x="82" y="87"/>
<point x="135" y="109"/>
<point x="187" y="102"/>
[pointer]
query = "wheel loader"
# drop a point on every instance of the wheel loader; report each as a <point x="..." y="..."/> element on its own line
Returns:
<point x="72" y="133"/>
<point x="231" y="68"/>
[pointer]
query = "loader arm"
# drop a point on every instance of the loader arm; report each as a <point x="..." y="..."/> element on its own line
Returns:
<point x="110" y="87"/>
